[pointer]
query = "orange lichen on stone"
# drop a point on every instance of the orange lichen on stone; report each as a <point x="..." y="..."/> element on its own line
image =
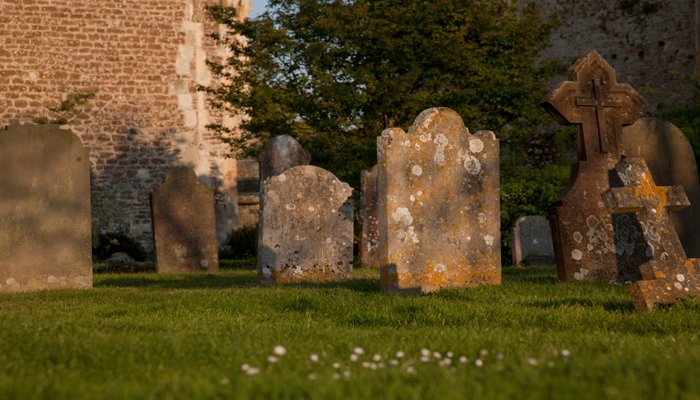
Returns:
<point x="439" y="217"/>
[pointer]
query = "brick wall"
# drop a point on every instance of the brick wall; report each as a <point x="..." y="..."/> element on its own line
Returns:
<point x="145" y="57"/>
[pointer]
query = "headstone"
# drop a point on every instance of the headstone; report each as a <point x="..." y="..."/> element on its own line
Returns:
<point x="184" y="230"/>
<point x="307" y="228"/>
<point x="589" y="243"/>
<point x="532" y="241"/>
<point x="122" y="263"/>
<point x="669" y="275"/>
<point x="670" y="159"/>
<point x="369" y="210"/>
<point x="45" y="225"/>
<point x="439" y="216"/>
<point x="281" y="153"/>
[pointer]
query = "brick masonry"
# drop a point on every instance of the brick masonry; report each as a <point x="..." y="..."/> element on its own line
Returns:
<point x="146" y="58"/>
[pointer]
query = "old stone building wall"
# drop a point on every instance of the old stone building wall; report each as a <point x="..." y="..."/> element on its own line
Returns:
<point x="145" y="57"/>
<point x="648" y="42"/>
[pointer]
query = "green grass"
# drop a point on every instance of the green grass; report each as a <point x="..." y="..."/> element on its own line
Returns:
<point x="186" y="336"/>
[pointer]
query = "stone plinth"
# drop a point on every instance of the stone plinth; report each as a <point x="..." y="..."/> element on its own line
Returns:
<point x="439" y="216"/>
<point x="669" y="275"/>
<point x="590" y="243"/>
<point x="369" y="209"/>
<point x="184" y="230"/>
<point x="670" y="159"/>
<point x="532" y="241"/>
<point x="307" y="227"/>
<point x="45" y="226"/>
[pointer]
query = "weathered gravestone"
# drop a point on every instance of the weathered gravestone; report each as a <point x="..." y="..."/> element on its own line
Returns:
<point x="45" y="226"/>
<point x="307" y="228"/>
<point x="532" y="241"/>
<point x="369" y="229"/>
<point x="281" y="153"/>
<point x="669" y="275"/>
<point x="439" y="218"/>
<point x="184" y="228"/>
<point x="589" y="242"/>
<point x="670" y="159"/>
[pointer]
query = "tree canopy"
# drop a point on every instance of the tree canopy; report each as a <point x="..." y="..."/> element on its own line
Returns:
<point x="335" y="73"/>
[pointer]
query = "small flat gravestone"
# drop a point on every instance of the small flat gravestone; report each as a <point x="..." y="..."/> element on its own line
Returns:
<point x="669" y="275"/>
<point x="670" y="159"/>
<point x="308" y="227"/>
<point x="589" y="243"/>
<point x="369" y="210"/>
<point x="439" y="216"/>
<point x="532" y="241"/>
<point x="45" y="228"/>
<point x="184" y="228"/>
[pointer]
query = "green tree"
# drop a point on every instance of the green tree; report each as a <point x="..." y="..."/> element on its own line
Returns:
<point x="335" y="73"/>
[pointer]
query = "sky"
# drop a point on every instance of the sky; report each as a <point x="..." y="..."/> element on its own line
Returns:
<point x="258" y="7"/>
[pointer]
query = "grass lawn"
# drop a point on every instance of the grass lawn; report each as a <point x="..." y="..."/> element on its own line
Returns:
<point x="187" y="336"/>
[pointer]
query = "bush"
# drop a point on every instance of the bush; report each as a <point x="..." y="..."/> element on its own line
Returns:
<point x="112" y="242"/>
<point x="529" y="192"/>
<point x="241" y="244"/>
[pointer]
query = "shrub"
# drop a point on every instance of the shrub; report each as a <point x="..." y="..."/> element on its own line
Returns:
<point x="240" y="245"/>
<point x="111" y="242"/>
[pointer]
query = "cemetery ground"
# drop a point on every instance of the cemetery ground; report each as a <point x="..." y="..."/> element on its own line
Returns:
<point x="190" y="335"/>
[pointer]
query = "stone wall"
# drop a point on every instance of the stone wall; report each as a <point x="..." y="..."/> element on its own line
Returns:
<point x="643" y="40"/>
<point x="145" y="57"/>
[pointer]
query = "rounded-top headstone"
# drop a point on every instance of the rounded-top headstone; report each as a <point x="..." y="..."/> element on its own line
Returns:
<point x="281" y="153"/>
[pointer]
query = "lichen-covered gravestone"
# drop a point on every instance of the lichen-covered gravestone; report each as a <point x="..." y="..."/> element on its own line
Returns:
<point x="184" y="227"/>
<point x="439" y="217"/>
<point x="532" y="241"/>
<point x="589" y="242"/>
<point x="307" y="228"/>
<point x="45" y="228"/>
<point x="281" y="153"/>
<point x="669" y="275"/>
<point x="369" y="229"/>
<point x="670" y="159"/>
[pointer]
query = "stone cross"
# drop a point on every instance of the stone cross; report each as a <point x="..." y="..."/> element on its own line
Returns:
<point x="670" y="274"/>
<point x="439" y="205"/>
<point x="589" y="242"/>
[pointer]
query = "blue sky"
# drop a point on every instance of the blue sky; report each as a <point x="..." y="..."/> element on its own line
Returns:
<point x="258" y="7"/>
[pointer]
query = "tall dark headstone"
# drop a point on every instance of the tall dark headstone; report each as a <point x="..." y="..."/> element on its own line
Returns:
<point x="669" y="275"/>
<point x="670" y="159"/>
<point x="588" y="242"/>
<point x="184" y="227"/>
<point x="369" y="223"/>
<point x="45" y="224"/>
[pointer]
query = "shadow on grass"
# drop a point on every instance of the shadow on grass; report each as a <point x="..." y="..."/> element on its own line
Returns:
<point x="622" y="305"/>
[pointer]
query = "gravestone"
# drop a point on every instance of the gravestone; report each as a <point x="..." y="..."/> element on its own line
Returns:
<point x="439" y="217"/>
<point x="670" y="159"/>
<point x="369" y="230"/>
<point x="184" y="228"/>
<point x="281" y="153"/>
<point x="307" y="228"/>
<point x="589" y="243"/>
<point x="532" y="241"/>
<point x="45" y="225"/>
<point x="669" y="275"/>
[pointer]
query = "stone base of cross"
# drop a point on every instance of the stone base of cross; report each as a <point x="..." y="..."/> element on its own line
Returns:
<point x="670" y="275"/>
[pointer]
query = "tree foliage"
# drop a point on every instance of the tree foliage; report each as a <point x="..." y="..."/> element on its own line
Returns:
<point x="335" y="73"/>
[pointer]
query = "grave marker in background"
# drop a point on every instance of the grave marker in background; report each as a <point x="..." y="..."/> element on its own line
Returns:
<point x="669" y="275"/>
<point x="589" y="242"/>
<point x="532" y="241"/>
<point x="307" y="227"/>
<point x="184" y="228"/>
<point x="439" y="217"/>
<point x="45" y="224"/>
<point x="369" y="229"/>
<point x="670" y="159"/>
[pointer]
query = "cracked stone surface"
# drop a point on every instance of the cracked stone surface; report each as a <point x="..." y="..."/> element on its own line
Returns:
<point x="669" y="275"/>
<point x="439" y="216"/>
<point x="307" y="228"/>
<point x="589" y="242"/>
<point x="184" y="227"/>
<point x="45" y="225"/>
